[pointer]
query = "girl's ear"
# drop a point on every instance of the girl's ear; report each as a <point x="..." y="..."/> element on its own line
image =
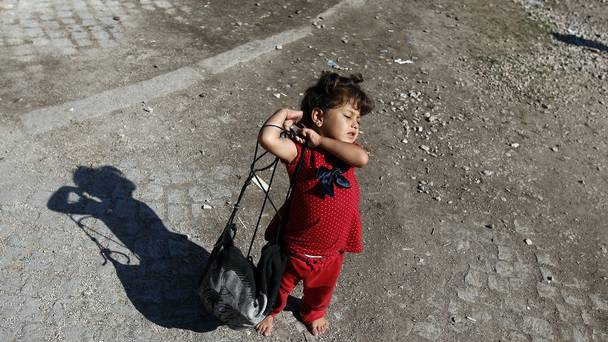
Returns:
<point x="317" y="116"/>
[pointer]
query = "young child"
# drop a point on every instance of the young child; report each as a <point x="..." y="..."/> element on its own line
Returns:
<point x="323" y="217"/>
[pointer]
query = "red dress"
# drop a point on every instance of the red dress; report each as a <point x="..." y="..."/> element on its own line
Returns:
<point x="319" y="224"/>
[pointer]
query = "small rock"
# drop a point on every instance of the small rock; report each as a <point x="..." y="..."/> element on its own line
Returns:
<point x="116" y="18"/>
<point x="555" y="149"/>
<point x="148" y="109"/>
<point x="514" y="145"/>
<point x="206" y="206"/>
<point x="402" y="61"/>
<point x="528" y="241"/>
<point x="488" y="172"/>
<point x="279" y="47"/>
<point x="425" y="148"/>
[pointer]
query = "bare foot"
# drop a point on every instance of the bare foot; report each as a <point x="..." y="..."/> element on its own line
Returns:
<point x="265" y="326"/>
<point x="318" y="326"/>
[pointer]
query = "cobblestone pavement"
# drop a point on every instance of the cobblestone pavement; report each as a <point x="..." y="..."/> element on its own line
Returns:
<point x="29" y="28"/>
<point x="524" y="293"/>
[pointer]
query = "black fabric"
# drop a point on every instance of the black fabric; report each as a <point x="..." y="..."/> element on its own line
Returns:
<point x="232" y="288"/>
<point x="273" y="261"/>
<point x="228" y="285"/>
<point x="269" y="271"/>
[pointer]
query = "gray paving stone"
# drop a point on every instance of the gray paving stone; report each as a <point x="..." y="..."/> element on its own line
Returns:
<point x="504" y="268"/>
<point x="599" y="336"/>
<point x="517" y="337"/>
<point x="516" y="284"/>
<point x="598" y="302"/>
<point x="468" y="294"/>
<point x="546" y="290"/>
<point x="150" y="192"/>
<point x="83" y="42"/>
<point x="573" y="333"/>
<point x="547" y="274"/>
<point x="521" y="226"/>
<point x="14" y="41"/>
<point x="587" y="318"/>
<point x="538" y="327"/>
<point x="572" y="298"/>
<point x="177" y="196"/>
<point x="566" y="313"/>
<point x="455" y="308"/>
<point x="506" y="323"/>
<point x="177" y="214"/>
<point x="515" y="304"/>
<point x="197" y="211"/>
<point x="505" y="253"/>
<point x="544" y="259"/>
<point x="427" y="330"/>
<point x="522" y="270"/>
<point x="540" y="339"/>
<point x="199" y="194"/>
<point x="40" y="41"/>
<point x="498" y="283"/>
<point x="475" y="278"/>
<point x="180" y="177"/>
<point x="23" y="50"/>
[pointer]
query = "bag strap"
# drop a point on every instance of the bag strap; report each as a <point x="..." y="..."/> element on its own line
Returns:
<point x="231" y="229"/>
<point x="282" y="220"/>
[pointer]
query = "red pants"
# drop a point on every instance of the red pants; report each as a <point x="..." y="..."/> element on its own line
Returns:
<point x="319" y="276"/>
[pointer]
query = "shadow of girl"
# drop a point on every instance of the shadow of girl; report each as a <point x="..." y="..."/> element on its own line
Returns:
<point x="163" y="284"/>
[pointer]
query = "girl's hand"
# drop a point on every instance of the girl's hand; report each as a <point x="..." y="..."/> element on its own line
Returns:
<point x="293" y="115"/>
<point x="313" y="138"/>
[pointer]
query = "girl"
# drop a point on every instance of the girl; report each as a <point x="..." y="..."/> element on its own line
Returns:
<point x="323" y="217"/>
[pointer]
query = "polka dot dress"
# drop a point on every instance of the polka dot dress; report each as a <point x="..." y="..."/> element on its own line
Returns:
<point x="318" y="224"/>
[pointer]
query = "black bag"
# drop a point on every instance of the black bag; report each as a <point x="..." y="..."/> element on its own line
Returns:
<point x="232" y="288"/>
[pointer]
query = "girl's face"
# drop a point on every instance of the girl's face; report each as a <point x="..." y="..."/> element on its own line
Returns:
<point x="340" y="123"/>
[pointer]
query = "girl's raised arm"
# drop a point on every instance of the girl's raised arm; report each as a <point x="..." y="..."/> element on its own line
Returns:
<point x="270" y="135"/>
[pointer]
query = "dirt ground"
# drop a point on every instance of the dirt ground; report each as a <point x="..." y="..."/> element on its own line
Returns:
<point x="484" y="202"/>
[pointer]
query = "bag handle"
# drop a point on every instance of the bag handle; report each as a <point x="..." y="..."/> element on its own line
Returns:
<point x="282" y="220"/>
<point x="230" y="227"/>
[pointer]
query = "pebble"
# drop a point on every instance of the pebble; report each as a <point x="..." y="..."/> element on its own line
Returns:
<point x="514" y="145"/>
<point x="554" y="149"/>
<point x="206" y="206"/>
<point x="148" y="109"/>
<point x="279" y="47"/>
<point x="528" y="242"/>
<point x="425" y="148"/>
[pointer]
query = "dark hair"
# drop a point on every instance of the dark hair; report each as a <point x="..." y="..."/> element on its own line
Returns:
<point x="333" y="90"/>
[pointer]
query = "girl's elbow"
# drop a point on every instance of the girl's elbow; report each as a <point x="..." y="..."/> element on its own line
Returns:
<point x="265" y="141"/>
<point x="362" y="160"/>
